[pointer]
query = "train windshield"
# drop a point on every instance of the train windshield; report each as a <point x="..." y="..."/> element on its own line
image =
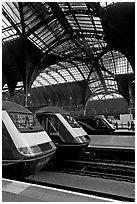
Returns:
<point x="71" y="121"/>
<point x="102" y="124"/>
<point x="104" y="120"/>
<point x="25" y="122"/>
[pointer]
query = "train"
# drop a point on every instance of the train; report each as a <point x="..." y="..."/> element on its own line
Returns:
<point x="96" y="125"/>
<point x="26" y="147"/>
<point x="69" y="137"/>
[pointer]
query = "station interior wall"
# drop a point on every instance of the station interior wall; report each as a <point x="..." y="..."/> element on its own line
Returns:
<point x="109" y="107"/>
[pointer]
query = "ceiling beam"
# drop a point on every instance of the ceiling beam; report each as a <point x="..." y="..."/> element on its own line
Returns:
<point x="22" y="19"/>
<point x="11" y="21"/>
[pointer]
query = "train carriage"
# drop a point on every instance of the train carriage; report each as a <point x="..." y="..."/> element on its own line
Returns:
<point x="70" y="138"/>
<point x="26" y="147"/>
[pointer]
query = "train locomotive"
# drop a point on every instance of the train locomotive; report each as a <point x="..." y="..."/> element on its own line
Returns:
<point x="69" y="137"/>
<point x="26" y="147"/>
<point x="97" y="125"/>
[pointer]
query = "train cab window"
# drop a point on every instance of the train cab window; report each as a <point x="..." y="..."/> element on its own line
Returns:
<point x="100" y="124"/>
<point x="51" y="126"/>
<point x="64" y="133"/>
<point x="104" y="126"/>
<point x="71" y="121"/>
<point x="55" y="128"/>
<point x="25" y="122"/>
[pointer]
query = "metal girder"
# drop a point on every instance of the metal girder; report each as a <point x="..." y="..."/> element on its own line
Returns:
<point x="11" y="22"/>
<point x="22" y="18"/>
<point x="105" y="50"/>
<point x="61" y="17"/>
<point x="46" y="61"/>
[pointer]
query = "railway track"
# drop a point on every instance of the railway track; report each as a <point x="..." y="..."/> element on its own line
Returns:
<point x="97" y="168"/>
<point x="102" y="169"/>
<point x="118" y="155"/>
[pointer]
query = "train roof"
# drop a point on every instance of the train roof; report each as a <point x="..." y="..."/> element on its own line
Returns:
<point x="90" y="117"/>
<point x="11" y="106"/>
<point x="51" y="109"/>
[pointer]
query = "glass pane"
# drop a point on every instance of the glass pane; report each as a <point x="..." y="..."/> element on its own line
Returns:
<point x="24" y="121"/>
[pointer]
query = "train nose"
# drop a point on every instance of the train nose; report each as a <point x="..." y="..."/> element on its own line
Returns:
<point x="26" y="151"/>
<point x="37" y="149"/>
<point x="83" y="139"/>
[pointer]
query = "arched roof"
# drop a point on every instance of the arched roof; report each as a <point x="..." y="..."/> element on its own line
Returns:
<point x="61" y="47"/>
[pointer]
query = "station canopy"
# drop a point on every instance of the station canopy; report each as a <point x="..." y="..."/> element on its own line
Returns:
<point x="65" y="53"/>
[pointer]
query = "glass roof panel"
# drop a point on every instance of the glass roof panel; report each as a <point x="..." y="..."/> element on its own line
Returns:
<point x="54" y="68"/>
<point x="37" y="41"/>
<point x="72" y="21"/>
<point x="48" y="38"/>
<point x="122" y="66"/>
<point x="76" y="74"/>
<point x="78" y="6"/>
<point x="12" y="11"/>
<point x="31" y="19"/>
<point x="95" y="45"/>
<point x="84" y="22"/>
<point x="66" y="47"/>
<point x="96" y="84"/>
<point x="84" y="69"/>
<point x="58" y="77"/>
<point x="66" y="75"/>
<point x="42" y="9"/>
<point x="56" y="27"/>
<point x="60" y="73"/>
<point x="42" y="80"/>
<point x="8" y="31"/>
<point x="97" y="89"/>
<point x="52" y="77"/>
<point x="107" y="84"/>
<point x="49" y="78"/>
<point x="104" y="97"/>
<point x="36" y="83"/>
<point x="116" y="63"/>
<point x="98" y="24"/>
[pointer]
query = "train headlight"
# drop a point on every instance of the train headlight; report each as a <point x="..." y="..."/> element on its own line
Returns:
<point x="36" y="149"/>
<point x="83" y="139"/>
<point x="78" y="139"/>
<point x="52" y="145"/>
<point x="25" y="150"/>
<point x="87" y="137"/>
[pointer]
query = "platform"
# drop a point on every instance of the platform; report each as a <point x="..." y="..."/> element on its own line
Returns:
<point x="13" y="191"/>
<point x="113" y="141"/>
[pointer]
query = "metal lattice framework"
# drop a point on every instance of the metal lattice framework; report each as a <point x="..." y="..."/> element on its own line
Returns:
<point x="72" y="46"/>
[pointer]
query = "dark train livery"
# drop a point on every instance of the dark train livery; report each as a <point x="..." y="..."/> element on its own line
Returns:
<point x="70" y="138"/>
<point x="26" y="147"/>
<point x="97" y="125"/>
